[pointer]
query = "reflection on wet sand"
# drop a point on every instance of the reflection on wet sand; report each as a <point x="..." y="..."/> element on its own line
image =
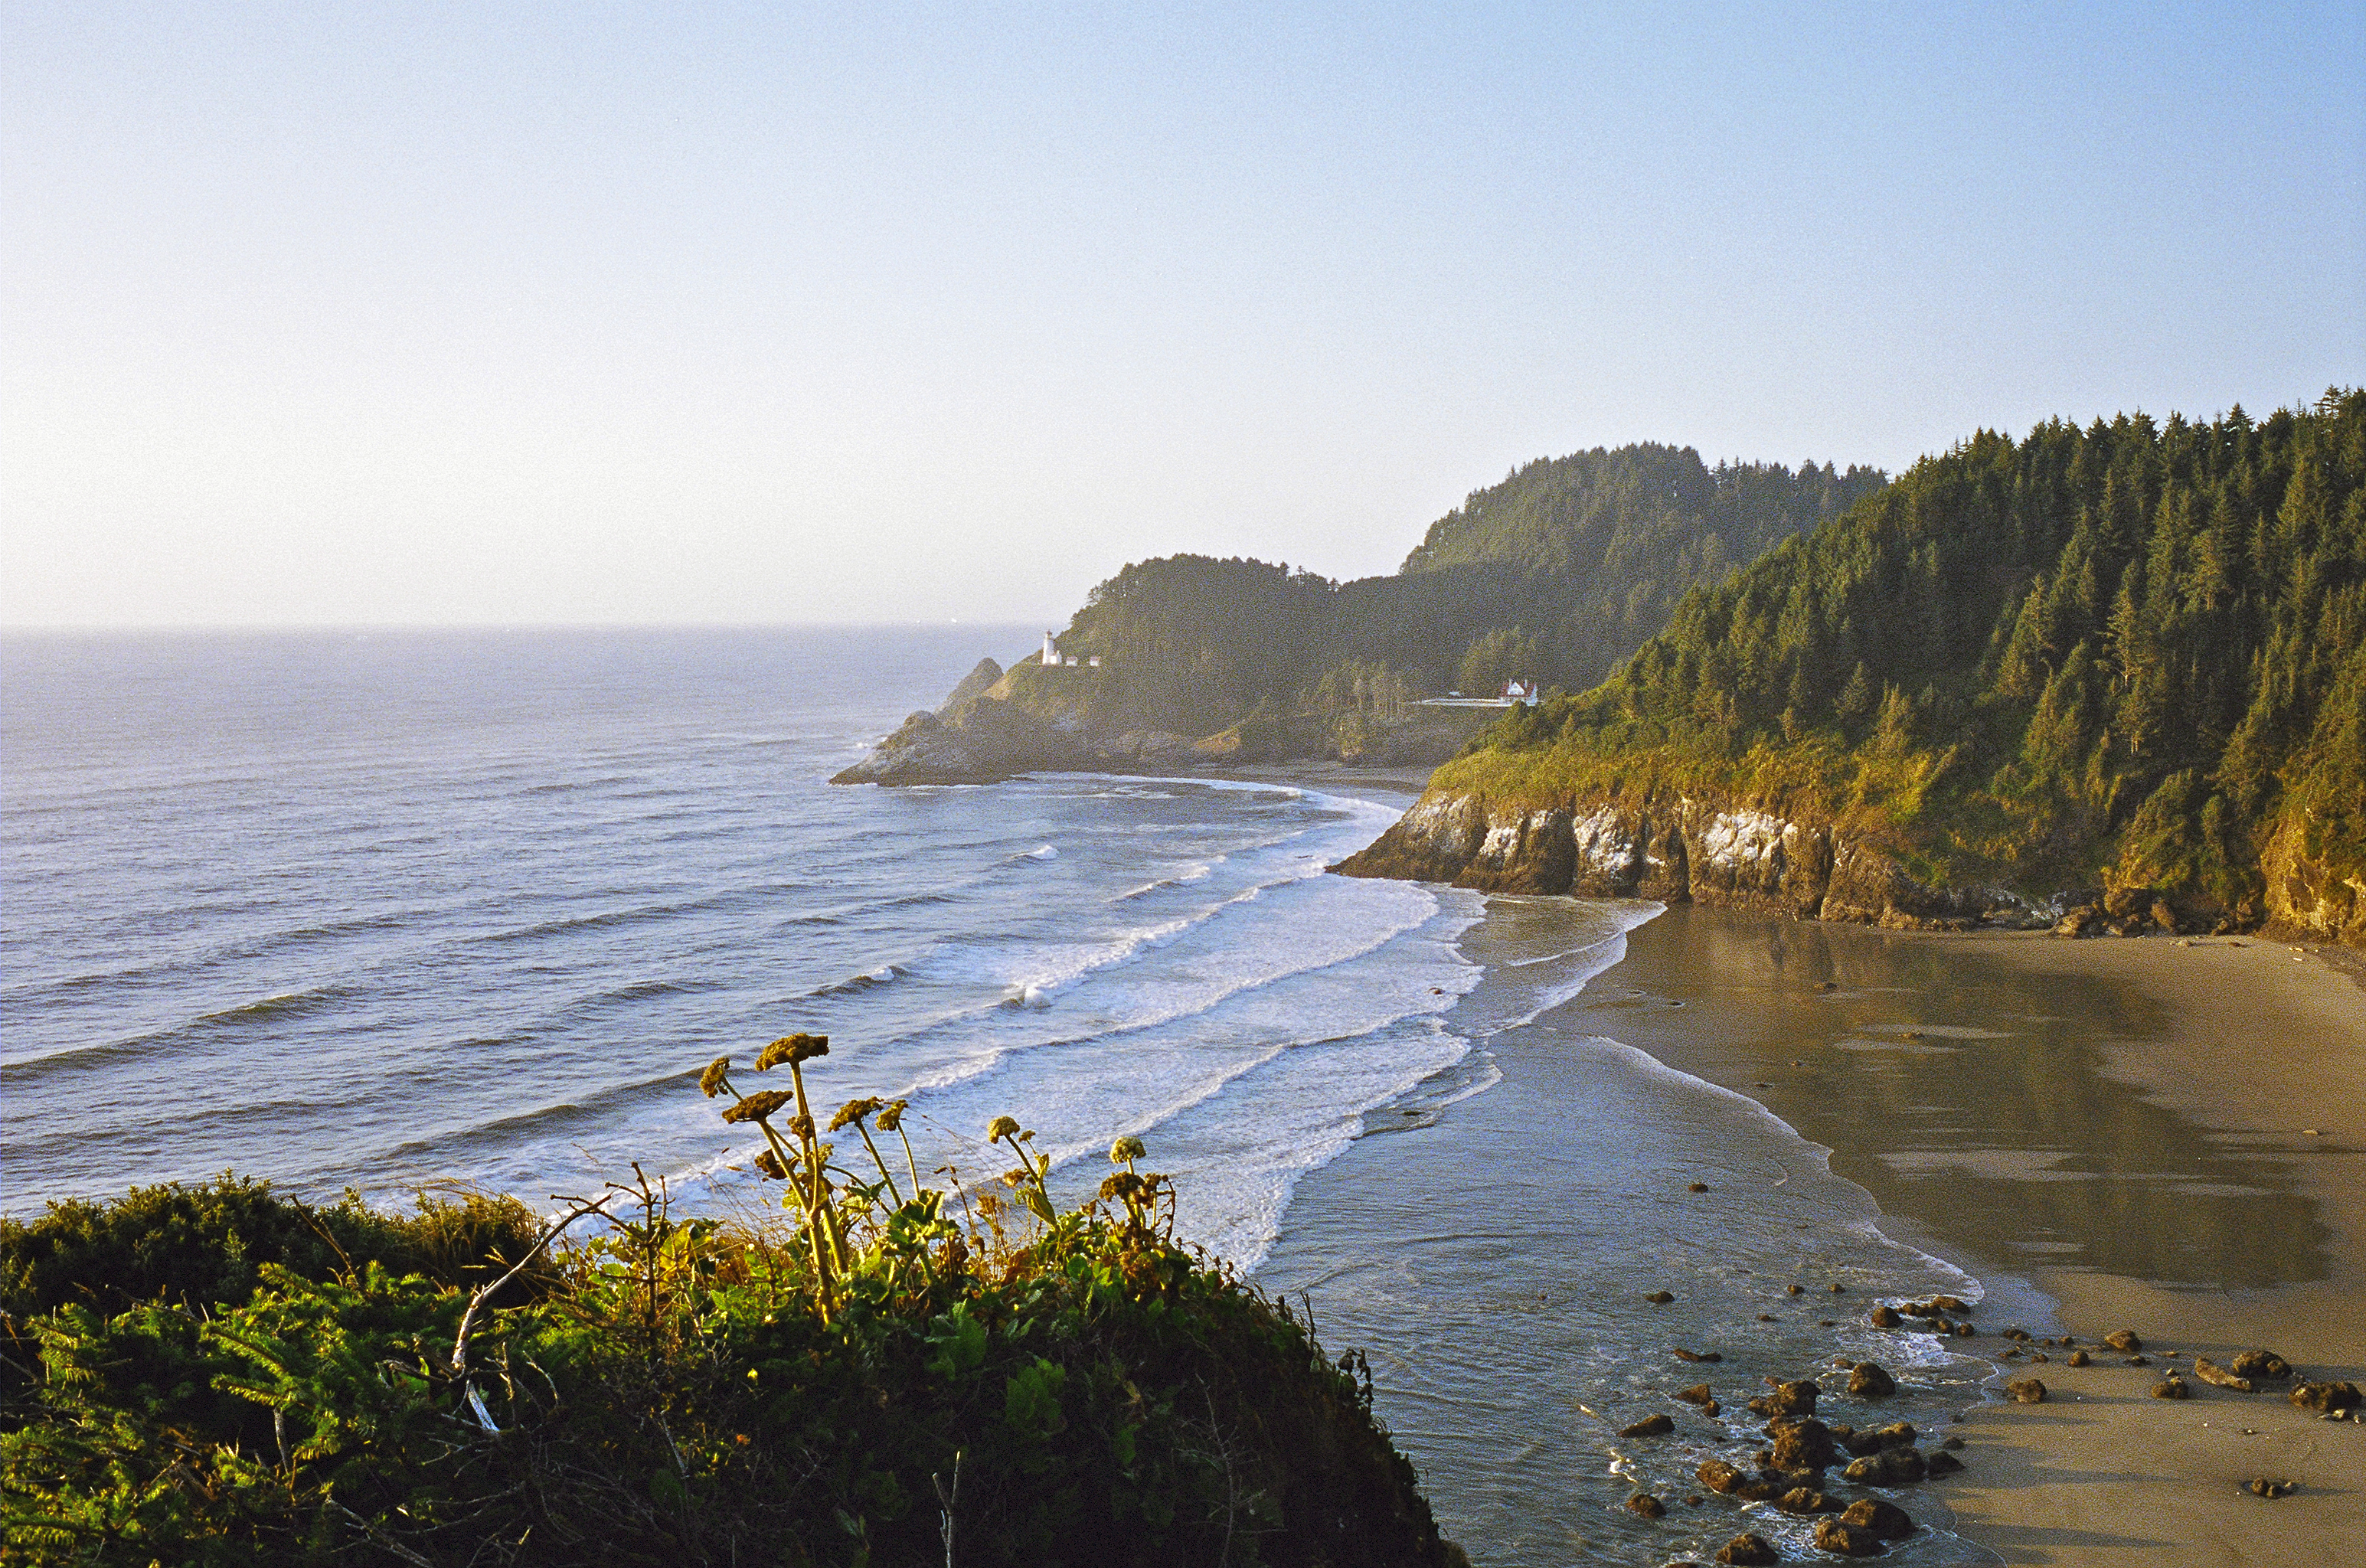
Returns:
<point x="1971" y="1098"/>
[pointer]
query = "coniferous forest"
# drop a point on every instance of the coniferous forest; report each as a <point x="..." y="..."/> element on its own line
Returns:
<point x="1553" y="575"/>
<point x="2128" y="655"/>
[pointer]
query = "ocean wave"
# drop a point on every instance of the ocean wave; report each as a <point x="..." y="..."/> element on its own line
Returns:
<point x="103" y="1053"/>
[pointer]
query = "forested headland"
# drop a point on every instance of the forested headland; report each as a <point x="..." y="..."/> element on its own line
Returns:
<point x="2127" y="657"/>
<point x="1551" y="577"/>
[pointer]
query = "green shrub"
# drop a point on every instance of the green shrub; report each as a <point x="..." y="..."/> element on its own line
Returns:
<point x="866" y="1381"/>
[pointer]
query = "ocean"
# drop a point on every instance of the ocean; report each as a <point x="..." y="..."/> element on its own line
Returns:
<point x="381" y="908"/>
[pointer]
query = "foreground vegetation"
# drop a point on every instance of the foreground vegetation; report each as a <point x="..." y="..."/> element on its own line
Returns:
<point x="2132" y="654"/>
<point x="889" y="1374"/>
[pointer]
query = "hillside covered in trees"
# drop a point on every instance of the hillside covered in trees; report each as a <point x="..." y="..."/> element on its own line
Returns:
<point x="2126" y="656"/>
<point x="1552" y="575"/>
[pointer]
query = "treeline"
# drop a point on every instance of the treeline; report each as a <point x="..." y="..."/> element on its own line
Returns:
<point x="2135" y="652"/>
<point x="1552" y="575"/>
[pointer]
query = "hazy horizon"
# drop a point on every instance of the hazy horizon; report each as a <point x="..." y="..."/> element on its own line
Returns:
<point x="485" y="316"/>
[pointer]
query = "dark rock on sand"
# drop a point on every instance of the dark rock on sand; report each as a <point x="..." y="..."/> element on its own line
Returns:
<point x="1806" y="1500"/>
<point x="1697" y="1186"/>
<point x="2325" y="1397"/>
<point x="1875" y="1439"/>
<point x="1887" y="1520"/>
<point x="1939" y="1464"/>
<point x="2025" y="1391"/>
<point x="2124" y="1340"/>
<point x="2209" y="1371"/>
<point x="1847" y="1539"/>
<point x="2077" y="1357"/>
<point x="1796" y="1397"/>
<point x="1890" y="1467"/>
<point x="1869" y="1380"/>
<point x="1885" y="1317"/>
<point x="1659" y="1298"/>
<point x="1696" y="1394"/>
<point x="2139" y="1362"/>
<point x="1650" y="1507"/>
<point x="1649" y="1427"/>
<point x="1704" y="1355"/>
<point x="2172" y="1387"/>
<point x="2260" y="1366"/>
<point x="2263" y="1488"/>
<point x="1748" y="1551"/>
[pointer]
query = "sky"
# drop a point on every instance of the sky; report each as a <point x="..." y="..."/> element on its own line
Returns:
<point x="375" y="313"/>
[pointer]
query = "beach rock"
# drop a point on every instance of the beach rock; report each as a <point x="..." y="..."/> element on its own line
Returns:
<point x="2172" y="1387"/>
<point x="2209" y="1371"/>
<point x="2025" y="1391"/>
<point x="1885" y="1317"/>
<point x="1793" y="1398"/>
<point x="1801" y="1444"/>
<point x="2124" y="1340"/>
<point x="2260" y="1366"/>
<point x="1887" y="1520"/>
<point x="1794" y="1290"/>
<point x="1696" y="1394"/>
<point x="1701" y="1356"/>
<point x="2077" y="1357"/>
<point x="1869" y="1380"/>
<point x="1650" y="1507"/>
<point x="1649" y="1427"/>
<point x="1890" y="1467"/>
<point x="1938" y="1464"/>
<point x="1719" y="1476"/>
<point x="2016" y="1333"/>
<point x="2263" y="1488"/>
<point x="2079" y="921"/>
<point x="2325" y="1397"/>
<point x="2138" y="1361"/>
<point x="1806" y="1500"/>
<point x="1659" y="1298"/>
<point x="1846" y="1539"/>
<point x="1697" y="1186"/>
<point x="1748" y="1551"/>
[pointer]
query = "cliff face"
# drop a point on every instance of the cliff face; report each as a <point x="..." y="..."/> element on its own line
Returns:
<point x="1678" y="850"/>
<point x="2307" y="897"/>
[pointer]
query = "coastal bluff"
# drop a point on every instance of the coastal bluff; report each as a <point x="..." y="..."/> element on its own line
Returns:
<point x="1674" y="850"/>
<point x="999" y="722"/>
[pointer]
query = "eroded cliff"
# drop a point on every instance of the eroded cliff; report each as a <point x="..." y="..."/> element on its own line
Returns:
<point x="1673" y="850"/>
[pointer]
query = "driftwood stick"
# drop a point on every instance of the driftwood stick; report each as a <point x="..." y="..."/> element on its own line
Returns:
<point x="483" y="1292"/>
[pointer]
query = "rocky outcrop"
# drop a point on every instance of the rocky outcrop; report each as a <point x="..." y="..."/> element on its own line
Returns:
<point x="2305" y="897"/>
<point x="982" y="741"/>
<point x="1706" y="851"/>
<point x="977" y="683"/>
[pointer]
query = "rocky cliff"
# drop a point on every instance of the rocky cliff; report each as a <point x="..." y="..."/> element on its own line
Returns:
<point x="1673" y="850"/>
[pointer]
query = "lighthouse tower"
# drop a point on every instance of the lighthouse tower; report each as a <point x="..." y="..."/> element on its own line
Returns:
<point x="1050" y="654"/>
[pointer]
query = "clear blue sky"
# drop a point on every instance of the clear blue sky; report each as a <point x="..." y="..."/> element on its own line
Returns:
<point x="772" y="312"/>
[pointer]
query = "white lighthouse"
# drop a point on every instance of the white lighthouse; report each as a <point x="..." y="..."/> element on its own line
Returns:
<point x="1050" y="654"/>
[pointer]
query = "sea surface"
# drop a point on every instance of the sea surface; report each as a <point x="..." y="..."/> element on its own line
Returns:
<point x="384" y="908"/>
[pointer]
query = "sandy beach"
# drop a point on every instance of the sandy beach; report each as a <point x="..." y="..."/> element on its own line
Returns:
<point x="2162" y="1136"/>
<point x="2265" y="1048"/>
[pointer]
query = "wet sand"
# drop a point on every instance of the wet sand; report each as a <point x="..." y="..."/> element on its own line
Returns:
<point x="2124" y="1126"/>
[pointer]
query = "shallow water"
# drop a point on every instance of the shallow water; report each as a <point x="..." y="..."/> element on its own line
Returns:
<point x="1493" y="1261"/>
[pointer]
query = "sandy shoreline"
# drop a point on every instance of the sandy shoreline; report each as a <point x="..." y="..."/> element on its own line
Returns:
<point x="2249" y="1046"/>
<point x="2259" y="1049"/>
